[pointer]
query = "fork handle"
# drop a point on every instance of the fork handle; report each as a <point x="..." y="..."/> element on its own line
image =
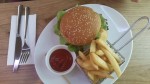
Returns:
<point x="27" y="11"/>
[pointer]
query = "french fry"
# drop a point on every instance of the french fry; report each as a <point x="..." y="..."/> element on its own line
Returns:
<point x="84" y="65"/>
<point x="93" y="46"/>
<point x="101" y="74"/>
<point x="79" y="61"/>
<point x="102" y="70"/>
<point x="102" y="44"/>
<point x="96" y="79"/>
<point x="97" y="60"/>
<point x="82" y="56"/>
<point x="99" y="53"/>
<point x="104" y="58"/>
<point x="110" y="67"/>
<point x="93" y="64"/>
<point x="89" y="65"/>
<point x="91" y="76"/>
<point x="113" y="62"/>
<point x="103" y="34"/>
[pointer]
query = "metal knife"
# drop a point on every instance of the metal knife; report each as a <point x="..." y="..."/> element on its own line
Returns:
<point x="18" y="46"/>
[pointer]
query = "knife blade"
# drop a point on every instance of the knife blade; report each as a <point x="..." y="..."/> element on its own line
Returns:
<point x="18" y="45"/>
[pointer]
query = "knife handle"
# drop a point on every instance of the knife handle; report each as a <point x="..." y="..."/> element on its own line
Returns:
<point x="20" y="7"/>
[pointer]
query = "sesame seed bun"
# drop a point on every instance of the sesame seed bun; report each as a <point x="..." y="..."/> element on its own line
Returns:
<point x="80" y="25"/>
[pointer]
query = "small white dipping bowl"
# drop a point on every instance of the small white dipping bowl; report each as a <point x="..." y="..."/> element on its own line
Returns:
<point x="48" y="55"/>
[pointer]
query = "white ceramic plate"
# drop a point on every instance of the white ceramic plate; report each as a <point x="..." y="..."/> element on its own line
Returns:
<point x="117" y="25"/>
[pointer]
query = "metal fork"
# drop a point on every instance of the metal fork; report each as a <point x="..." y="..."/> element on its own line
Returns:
<point x="26" y="48"/>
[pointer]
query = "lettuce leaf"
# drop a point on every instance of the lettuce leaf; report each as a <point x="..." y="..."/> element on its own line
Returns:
<point x="62" y="40"/>
<point x="56" y="29"/>
<point x="103" y="23"/>
<point x="97" y="35"/>
<point x="73" y="48"/>
<point x="60" y="14"/>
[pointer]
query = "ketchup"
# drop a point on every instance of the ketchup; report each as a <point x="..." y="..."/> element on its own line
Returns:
<point x="61" y="60"/>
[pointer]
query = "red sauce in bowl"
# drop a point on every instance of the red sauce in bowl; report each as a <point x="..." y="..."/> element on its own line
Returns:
<point x="61" y="60"/>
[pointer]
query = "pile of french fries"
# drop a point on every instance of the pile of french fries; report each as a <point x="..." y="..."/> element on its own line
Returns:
<point x="100" y="61"/>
